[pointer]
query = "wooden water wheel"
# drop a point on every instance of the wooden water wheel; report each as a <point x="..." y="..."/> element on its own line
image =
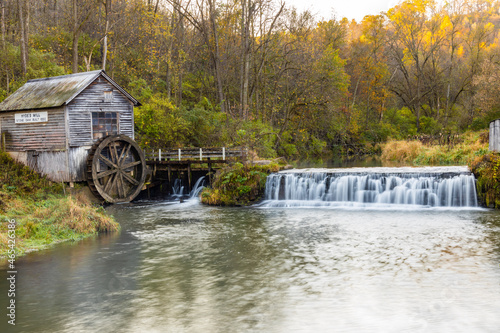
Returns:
<point x="116" y="169"/>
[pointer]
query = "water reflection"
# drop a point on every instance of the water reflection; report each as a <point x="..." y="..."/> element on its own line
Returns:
<point x="189" y="268"/>
<point x="350" y="162"/>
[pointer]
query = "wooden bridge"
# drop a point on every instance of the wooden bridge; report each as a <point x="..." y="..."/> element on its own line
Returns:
<point x="189" y="160"/>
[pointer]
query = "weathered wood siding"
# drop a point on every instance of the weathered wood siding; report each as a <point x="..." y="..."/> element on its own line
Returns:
<point x="50" y="135"/>
<point x="53" y="164"/>
<point x="92" y="100"/>
<point x="77" y="158"/>
<point x="58" y="166"/>
<point x="495" y="135"/>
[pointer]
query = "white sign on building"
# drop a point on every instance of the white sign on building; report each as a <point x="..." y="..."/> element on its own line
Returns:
<point x="31" y="117"/>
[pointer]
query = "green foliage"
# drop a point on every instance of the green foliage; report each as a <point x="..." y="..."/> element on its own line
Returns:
<point x="257" y="136"/>
<point x="209" y="127"/>
<point x="238" y="185"/>
<point x="159" y="124"/>
<point x="429" y="125"/>
<point x="402" y="122"/>
<point x="286" y="147"/>
<point x="486" y="168"/>
<point x="43" y="64"/>
<point x="140" y="89"/>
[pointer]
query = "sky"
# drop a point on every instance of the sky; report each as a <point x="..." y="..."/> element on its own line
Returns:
<point x="352" y="9"/>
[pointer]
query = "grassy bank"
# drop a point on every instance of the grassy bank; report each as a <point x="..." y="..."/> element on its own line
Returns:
<point x="238" y="185"/>
<point x="487" y="171"/>
<point x="44" y="215"/>
<point x="469" y="146"/>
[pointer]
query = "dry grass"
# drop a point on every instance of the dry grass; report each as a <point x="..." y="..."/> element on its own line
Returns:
<point x="43" y="214"/>
<point x="78" y="216"/>
<point x="472" y="145"/>
<point x="403" y="151"/>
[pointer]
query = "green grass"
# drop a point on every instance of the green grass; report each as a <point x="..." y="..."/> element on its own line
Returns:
<point x="44" y="215"/>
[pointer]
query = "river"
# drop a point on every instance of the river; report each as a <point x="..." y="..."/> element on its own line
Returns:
<point x="185" y="267"/>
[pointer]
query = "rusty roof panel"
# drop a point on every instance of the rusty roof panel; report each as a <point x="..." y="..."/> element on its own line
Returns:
<point x="52" y="92"/>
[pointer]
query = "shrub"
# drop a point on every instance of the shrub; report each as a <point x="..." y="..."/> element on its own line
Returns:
<point x="238" y="185"/>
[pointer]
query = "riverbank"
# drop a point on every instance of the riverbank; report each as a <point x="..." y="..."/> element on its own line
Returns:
<point x="44" y="214"/>
<point x="462" y="151"/>
<point x="486" y="170"/>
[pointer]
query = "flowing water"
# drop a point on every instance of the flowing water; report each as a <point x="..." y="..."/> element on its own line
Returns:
<point x="308" y="259"/>
<point x="375" y="187"/>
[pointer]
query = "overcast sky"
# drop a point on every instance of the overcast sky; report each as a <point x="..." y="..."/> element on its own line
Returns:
<point x="352" y="9"/>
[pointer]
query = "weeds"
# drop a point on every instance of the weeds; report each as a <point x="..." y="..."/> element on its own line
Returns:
<point x="472" y="145"/>
<point x="238" y="185"/>
<point x="44" y="215"/>
<point x="487" y="171"/>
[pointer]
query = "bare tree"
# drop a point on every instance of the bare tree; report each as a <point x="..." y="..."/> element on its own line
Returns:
<point x="23" y="43"/>
<point x="107" y="9"/>
<point x="2" y="4"/>
<point x="78" y="23"/>
<point x="208" y="27"/>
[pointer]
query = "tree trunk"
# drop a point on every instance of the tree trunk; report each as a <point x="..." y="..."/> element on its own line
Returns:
<point x="107" y="8"/>
<point x="75" y="37"/>
<point x="23" y="41"/>
<point x="180" y="61"/>
<point x="3" y="24"/>
<point x="105" y="49"/>
<point x="247" y="9"/>
<point x="216" y="57"/>
<point x="168" y="76"/>
<point x="168" y="73"/>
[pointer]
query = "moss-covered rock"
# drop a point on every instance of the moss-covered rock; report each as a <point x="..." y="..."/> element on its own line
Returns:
<point x="486" y="169"/>
<point x="238" y="185"/>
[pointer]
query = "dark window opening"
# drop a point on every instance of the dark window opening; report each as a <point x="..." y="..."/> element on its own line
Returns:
<point x="104" y="123"/>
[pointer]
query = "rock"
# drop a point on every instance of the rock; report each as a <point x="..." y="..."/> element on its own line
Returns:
<point x="262" y="162"/>
<point x="280" y="160"/>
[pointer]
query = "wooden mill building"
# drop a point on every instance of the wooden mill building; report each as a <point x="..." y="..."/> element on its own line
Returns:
<point x="50" y="124"/>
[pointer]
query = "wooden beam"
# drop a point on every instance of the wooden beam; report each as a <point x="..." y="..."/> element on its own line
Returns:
<point x="169" y="173"/>
<point x="189" y="177"/>
<point x="209" y="172"/>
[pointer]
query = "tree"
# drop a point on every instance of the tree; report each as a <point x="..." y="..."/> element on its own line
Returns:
<point x="23" y="28"/>
<point x="78" y="23"/>
<point x="412" y="45"/>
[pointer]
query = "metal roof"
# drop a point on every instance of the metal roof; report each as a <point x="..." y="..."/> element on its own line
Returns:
<point x="54" y="91"/>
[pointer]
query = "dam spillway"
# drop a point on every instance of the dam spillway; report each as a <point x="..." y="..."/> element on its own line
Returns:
<point x="372" y="187"/>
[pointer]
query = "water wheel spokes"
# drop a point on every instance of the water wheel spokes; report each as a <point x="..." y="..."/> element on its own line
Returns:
<point x="116" y="169"/>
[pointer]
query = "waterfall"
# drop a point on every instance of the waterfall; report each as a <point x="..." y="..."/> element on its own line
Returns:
<point x="177" y="188"/>
<point x="197" y="188"/>
<point x="421" y="187"/>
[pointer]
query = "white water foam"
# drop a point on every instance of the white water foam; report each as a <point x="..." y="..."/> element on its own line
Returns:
<point x="379" y="188"/>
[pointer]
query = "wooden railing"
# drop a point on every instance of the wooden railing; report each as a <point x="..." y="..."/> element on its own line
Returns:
<point x="195" y="154"/>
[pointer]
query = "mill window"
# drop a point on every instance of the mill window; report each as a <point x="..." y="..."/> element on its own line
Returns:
<point x="104" y="123"/>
